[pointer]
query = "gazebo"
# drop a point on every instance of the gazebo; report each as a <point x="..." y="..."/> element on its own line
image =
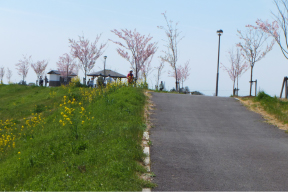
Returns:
<point x="113" y="74"/>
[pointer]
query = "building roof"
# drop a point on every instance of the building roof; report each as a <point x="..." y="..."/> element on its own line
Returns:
<point x="112" y="74"/>
<point x="58" y="73"/>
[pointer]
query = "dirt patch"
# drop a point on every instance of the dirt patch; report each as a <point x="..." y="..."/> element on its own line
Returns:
<point x="148" y="108"/>
<point x="257" y="108"/>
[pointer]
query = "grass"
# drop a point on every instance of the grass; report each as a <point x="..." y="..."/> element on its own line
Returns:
<point x="273" y="105"/>
<point x="70" y="138"/>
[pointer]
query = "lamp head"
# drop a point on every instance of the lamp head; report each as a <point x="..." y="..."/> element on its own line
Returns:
<point x="220" y="32"/>
<point x="105" y="57"/>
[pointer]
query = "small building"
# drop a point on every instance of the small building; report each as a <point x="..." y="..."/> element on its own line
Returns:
<point x="55" y="78"/>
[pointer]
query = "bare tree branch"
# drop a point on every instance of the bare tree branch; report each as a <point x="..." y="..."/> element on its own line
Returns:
<point x="173" y="36"/>
<point x="23" y="66"/>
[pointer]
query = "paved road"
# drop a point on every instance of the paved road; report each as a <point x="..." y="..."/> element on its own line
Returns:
<point x="213" y="143"/>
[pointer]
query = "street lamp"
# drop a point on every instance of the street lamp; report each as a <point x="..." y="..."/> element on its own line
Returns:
<point x="105" y="57"/>
<point x="217" y="78"/>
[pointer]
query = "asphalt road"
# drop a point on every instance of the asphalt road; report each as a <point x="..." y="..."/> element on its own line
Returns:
<point x="202" y="143"/>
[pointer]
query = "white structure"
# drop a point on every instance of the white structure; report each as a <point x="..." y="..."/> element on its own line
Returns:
<point x="55" y="78"/>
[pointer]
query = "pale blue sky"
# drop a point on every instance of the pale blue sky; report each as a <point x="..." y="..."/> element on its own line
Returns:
<point x="42" y="28"/>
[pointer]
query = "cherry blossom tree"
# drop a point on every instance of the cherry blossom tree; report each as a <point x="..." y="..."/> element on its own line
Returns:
<point x="86" y="52"/>
<point x="275" y="27"/>
<point x="66" y="66"/>
<point x="237" y="68"/>
<point x="139" y="46"/>
<point x="23" y="66"/>
<point x="9" y="75"/>
<point x="39" y="67"/>
<point x="2" y="72"/>
<point x="183" y="72"/>
<point x="254" y="46"/>
<point x="159" y="69"/>
<point x="173" y="39"/>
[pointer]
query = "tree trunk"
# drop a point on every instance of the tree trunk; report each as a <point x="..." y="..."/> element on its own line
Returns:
<point x="237" y="82"/>
<point x="136" y="71"/>
<point x="251" y="81"/>
<point x="158" y="80"/>
<point x="85" y="78"/>
<point x="176" y="79"/>
<point x="67" y="75"/>
<point x="234" y="87"/>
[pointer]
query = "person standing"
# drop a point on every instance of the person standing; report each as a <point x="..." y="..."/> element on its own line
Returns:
<point x="100" y="81"/>
<point x="41" y="81"/>
<point x="161" y="86"/>
<point x="130" y="77"/>
<point x="46" y="81"/>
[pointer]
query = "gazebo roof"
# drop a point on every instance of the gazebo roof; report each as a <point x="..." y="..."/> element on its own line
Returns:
<point x="112" y="74"/>
<point x="58" y="73"/>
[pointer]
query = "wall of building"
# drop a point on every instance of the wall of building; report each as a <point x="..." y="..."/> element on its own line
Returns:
<point x="54" y="80"/>
<point x="54" y="77"/>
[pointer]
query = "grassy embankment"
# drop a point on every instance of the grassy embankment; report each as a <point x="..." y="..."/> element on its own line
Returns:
<point x="277" y="108"/>
<point x="70" y="138"/>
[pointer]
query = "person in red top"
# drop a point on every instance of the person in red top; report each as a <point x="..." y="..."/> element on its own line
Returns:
<point x="130" y="77"/>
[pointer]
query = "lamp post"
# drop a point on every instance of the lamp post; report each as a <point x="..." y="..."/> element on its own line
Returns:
<point x="217" y="77"/>
<point x="105" y="57"/>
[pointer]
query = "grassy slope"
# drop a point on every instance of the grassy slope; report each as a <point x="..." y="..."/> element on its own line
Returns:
<point x="272" y="105"/>
<point x="84" y="139"/>
<point x="18" y="101"/>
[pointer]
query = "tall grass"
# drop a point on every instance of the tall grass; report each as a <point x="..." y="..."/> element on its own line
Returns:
<point x="70" y="138"/>
<point x="274" y="106"/>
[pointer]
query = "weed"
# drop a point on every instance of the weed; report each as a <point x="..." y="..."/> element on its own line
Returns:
<point x="149" y="143"/>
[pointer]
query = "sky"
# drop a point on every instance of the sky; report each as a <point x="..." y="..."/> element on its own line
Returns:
<point x="42" y="29"/>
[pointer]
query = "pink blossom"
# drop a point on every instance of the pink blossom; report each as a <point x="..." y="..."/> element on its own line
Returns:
<point x="139" y="47"/>
<point x="66" y="65"/>
<point x="87" y="53"/>
<point x="182" y="72"/>
<point x="255" y="45"/>
<point x="237" y="68"/>
<point x="39" y="67"/>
